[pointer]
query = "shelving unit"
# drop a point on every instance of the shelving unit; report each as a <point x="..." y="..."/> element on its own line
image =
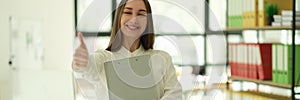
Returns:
<point x="265" y="82"/>
<point x="263" y="28"/>
<point x="292" y="28"/>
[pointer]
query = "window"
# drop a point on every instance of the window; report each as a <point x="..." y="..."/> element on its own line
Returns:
<point x="217" y="14"/>
<point x="178" y="16"/>
<point x="179" y="25"/>
<point x="185" y="50"/>
<point x="94" y="15"/>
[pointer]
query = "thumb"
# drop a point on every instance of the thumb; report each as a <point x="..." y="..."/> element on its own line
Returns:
<point x="80" y="37"/>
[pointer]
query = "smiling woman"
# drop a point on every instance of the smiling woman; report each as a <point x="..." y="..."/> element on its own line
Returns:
<point x="132" y="21"/>
<point x="132" y="36"/>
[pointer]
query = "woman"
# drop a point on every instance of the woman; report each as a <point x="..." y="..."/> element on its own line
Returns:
<point x="132" y="35"/>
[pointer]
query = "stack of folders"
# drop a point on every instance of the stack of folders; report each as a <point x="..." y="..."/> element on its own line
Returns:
<point x="235" y="13"/>
<point x="277" y="20"/>
<point x="282" y="63"/>
<point x="287" y="18"/>
<point x="264" y="61"/>
<point x="251" y="60"/>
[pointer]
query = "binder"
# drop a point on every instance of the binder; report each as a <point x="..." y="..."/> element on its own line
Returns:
<point x="297" y="64"/>
<point x="253" y="13"/>
<point x="245" y="13"/>
<point x="250" y="13"/>
<point x="240" y="14"/>
<point x="274" y="63"/>
<point x="245" y="59"/>
<point x="280" y="63"/>
<point x="231" y="59"/>
<point x="287" y="71"/>
<point x="232" y="62"/>
<point x="252" y="63"/>
<point x="262" y="21"/>
<point x="254" y="66"/>
<point x="249" y="63"/>
<point x="264" y="61"/>
<point x="235" y="13"/>
<point x="286" y="74"/>
<point x="239" y="67"/>
<point x="230" y="8"/>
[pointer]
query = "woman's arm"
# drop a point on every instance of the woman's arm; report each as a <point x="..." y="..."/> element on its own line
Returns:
<point x="83" y="63"/>
<point x="172" y="88"/>
<point x="96" y="89"/>
<point x="86" y="72"/>
<point x="89" y="72"/>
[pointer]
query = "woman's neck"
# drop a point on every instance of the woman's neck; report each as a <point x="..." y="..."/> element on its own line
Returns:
<point x="131" y="44"/>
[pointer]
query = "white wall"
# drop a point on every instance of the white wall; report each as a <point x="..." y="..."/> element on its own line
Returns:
<point x="4" y="9"/>
<point x="57" y="30"/>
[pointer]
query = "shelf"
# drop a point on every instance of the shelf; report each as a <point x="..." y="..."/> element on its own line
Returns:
<point x="266" y="82"/>
<point x="277" y="96"/>
<point x="263" y="28"/>
<point x="177" y="34"/>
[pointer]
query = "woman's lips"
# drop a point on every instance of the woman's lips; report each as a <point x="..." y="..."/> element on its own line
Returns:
<point x="132" y="27"/>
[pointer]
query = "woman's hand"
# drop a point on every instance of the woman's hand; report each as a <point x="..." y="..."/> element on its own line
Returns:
<point x="80" y="57"/>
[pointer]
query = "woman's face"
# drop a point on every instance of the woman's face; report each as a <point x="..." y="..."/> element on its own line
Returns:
<point x="134" y="19"/>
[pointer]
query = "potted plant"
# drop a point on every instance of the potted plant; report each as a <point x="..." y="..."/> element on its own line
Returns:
<point x="271" y="9"/>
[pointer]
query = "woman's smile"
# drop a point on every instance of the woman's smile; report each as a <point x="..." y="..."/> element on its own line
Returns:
<point x="131" y="27"/>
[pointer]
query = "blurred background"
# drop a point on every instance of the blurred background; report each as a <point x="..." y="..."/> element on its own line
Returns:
<point x="38" y="38"/>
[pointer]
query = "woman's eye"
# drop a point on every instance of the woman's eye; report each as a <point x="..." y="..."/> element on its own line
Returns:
<point x="127" y="13"/>
<point x="141" y="14"/>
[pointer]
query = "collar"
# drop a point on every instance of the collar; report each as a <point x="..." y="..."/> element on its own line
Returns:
<point x="125" y="52"/>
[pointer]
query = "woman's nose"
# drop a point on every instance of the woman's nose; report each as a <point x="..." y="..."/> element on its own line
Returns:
<point x="133" y="20"/>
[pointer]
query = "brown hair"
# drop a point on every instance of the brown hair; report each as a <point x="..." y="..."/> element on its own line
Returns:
<point x="147" y="38"/>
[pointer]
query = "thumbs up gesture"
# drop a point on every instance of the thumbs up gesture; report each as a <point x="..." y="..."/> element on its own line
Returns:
<point x="80" y="57"/>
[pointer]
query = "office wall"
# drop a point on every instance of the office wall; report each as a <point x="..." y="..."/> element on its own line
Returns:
<point x="4" y="51"/>
<point x="57" y="30"/>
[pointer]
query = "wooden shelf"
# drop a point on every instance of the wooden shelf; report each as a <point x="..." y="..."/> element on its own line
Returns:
<point x="263" y="28"/>
<point x="266" y="82"/>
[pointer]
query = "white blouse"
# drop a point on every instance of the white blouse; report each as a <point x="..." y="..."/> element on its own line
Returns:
<point x="168" y="85"/>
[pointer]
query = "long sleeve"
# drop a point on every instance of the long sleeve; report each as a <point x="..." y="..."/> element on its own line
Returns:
<point x="90" y="72"/>
<point x="172" y="88"/>
<point x="96" y="89"/>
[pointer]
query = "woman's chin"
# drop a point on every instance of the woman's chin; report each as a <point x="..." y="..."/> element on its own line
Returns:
<point x="130" y="33"/>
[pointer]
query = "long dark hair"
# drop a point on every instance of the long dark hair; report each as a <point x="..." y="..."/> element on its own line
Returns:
<point x="147" y="38"/>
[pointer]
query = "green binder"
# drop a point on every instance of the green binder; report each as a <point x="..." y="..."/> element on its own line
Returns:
<point x="288" y="64"/>
<point x="280" y="64"/>
<point x="239" y="21"/>
<point x="274" y="63"/>
<point x="287" y="54"/>
<point x="297" y="65"/>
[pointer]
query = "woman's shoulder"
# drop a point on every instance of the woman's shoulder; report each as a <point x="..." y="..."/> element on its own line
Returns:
<point x="102" y="52"/>
<point x="160" y="52"/>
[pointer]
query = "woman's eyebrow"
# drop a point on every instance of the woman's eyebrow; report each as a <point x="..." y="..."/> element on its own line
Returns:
<point x="143" y="10"/>
<point x="128" y="8"/>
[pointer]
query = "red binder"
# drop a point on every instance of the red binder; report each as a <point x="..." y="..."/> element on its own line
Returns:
<point x="265" y="67"/>
<point x="244" y="62"/>
<point x="242" y="65"/>
<point x="232" y="58"/>
<point x="252" y="64"/>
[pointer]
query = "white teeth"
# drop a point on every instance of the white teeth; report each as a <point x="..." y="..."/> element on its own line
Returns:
<point x="132" y="27"/>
